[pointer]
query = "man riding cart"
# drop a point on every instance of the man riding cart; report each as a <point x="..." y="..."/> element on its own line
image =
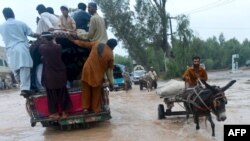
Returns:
<point x="149" y="80"/>
<point x="146" y="81"/>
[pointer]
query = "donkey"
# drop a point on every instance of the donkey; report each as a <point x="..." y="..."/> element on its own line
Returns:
<point x="202" y="101"/>
<point x="146" y="81"/>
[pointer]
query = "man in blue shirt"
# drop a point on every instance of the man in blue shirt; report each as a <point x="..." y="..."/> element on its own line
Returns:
<point x="14" y="34"/>
<point x="81" y="17"/>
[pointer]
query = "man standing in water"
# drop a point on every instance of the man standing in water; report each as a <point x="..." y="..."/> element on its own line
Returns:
<point x="153" y="76"/>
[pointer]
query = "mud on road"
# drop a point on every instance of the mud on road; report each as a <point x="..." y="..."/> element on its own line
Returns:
<point x="134" y="117"/>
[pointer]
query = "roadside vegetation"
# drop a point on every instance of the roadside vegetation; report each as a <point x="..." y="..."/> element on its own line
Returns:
<point x="146" y="34"/>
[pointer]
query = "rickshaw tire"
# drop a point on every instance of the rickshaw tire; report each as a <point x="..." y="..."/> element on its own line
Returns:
<point x="33" y="124"/>
<point x="87" y="125"/>
<point x="63" y="127"/>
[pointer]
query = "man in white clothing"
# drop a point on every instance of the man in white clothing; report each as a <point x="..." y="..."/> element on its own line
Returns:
<point x="97" y="28"/>
<point x="154" y="77"/>
<point x="14" y="34"/>
<point x="47" y="22"/>
<point x="66" y="22"/>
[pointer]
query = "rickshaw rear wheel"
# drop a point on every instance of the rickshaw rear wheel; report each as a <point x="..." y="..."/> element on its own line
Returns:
<point x="33" y="124"/>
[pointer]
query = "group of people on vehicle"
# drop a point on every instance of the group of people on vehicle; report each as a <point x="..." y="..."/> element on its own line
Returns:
<point x="51" y="71"/>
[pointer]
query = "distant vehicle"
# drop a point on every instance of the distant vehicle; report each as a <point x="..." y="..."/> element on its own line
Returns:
<point x="247" y="63"/>
<point x="137" y="74"/>
<point x="118" y="77"/>
<point x="138" y="67"/>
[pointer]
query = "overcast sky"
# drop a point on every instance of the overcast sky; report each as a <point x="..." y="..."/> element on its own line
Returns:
<point x="25" y="10"/>
<point x="212" y="17"/>
<point x="207" y="17"/>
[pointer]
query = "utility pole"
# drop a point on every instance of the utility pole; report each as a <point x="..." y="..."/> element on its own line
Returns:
<point x="171" y="34"/>
<point x="171" y="29"/>
<point x="166" y="55"/>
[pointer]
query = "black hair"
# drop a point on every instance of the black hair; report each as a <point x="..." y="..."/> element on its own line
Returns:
<point x="8" y="13"/>
<point x="93" y="5"/>
<point x="82" y="6"/>
<point x="50" y="10"/>
<point x="196" y="57"/>
<point x="40" y="8"/>
<point x="47" y="35"/>
<point x="64" y="8"/>
<point x="112" y="43"/>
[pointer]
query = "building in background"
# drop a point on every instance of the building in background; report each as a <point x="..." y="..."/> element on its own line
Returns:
<point x="6" y="79"/>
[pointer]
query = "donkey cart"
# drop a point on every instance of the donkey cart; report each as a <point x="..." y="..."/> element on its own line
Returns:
<point x="170" y="101"/>
<point x="172" y="93"/>
<point x="198" y="101"/>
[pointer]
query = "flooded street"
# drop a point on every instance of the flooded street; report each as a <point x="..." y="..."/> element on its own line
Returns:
<point x="134" y="117"/>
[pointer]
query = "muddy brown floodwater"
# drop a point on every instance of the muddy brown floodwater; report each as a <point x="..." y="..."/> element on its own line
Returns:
<point x="134" y="117"/>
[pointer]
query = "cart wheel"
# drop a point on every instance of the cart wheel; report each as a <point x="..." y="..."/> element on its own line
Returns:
<point x="161" y="113"/>
<point x="69" y="127"/>
<point x="86" y="125"/>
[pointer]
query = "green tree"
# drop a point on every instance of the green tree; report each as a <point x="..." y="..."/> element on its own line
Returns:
<point x="181" y="48"/>
<point x="120" y="18"/>
<point x="160" y="7"/>
<point x="244" y="52"/>
<point x="143" y="32"/>
<point x="138" y="30"/>
<point x="212" y="51"/>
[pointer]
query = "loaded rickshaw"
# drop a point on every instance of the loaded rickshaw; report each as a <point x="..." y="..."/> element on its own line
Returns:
<point x="73" y="57"/>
